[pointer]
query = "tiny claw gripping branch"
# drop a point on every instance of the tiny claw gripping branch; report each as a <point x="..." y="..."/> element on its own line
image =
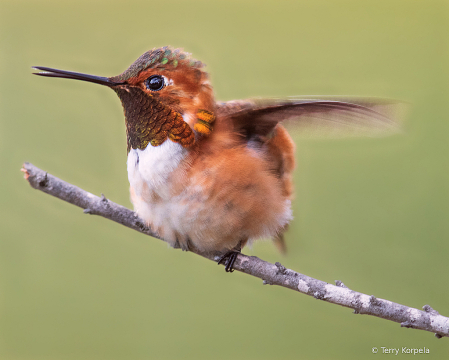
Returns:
<point x="229" y="260"/>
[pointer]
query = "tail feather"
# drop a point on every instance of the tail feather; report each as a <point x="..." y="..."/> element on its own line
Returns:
<point x="279" y="242"/>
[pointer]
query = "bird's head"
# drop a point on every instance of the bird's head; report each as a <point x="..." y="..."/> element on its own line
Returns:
<point x="165" y="94"/>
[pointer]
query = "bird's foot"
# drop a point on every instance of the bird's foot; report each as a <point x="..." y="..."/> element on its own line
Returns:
<point x="229" y="259"/>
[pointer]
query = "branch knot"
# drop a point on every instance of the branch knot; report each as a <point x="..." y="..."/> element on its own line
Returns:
<point x="281" y="269"/>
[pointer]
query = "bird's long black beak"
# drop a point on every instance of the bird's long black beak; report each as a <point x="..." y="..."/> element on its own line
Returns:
<point x="49" y="72"/>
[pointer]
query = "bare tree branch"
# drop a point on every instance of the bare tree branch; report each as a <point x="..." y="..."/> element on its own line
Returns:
<point x="272" y="274"/>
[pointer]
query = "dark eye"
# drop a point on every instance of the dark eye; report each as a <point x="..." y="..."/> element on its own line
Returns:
<point x="155" y="83"/>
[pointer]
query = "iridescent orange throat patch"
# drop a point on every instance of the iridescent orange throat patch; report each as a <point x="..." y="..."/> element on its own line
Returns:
<point x="148" y="121"/>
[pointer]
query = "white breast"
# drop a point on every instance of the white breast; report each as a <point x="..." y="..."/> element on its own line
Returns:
<point x="154" y="165"/>
<point x="149" y="174"/>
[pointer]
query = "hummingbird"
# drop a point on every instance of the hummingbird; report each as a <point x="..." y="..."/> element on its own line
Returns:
<point x="207" y="175"/>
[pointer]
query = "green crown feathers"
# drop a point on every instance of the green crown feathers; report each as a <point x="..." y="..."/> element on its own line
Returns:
<point x="158" y="57"/>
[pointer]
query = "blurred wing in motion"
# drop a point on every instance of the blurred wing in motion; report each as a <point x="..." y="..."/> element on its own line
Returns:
<point x="334" y="117"/>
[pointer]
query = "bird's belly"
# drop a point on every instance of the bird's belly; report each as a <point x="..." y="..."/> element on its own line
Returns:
<point x="213" y="210"/>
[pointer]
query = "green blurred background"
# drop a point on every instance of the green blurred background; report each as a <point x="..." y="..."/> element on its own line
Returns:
<point x="371" y="212"/>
